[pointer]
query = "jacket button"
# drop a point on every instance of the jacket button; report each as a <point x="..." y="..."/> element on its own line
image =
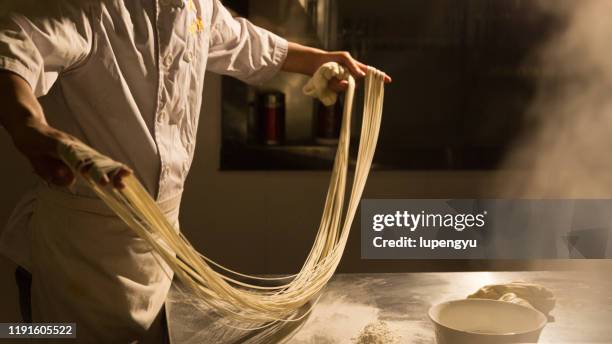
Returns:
<point x="161" y="117"/>
<point x="168" y="61"/>
<point x="189" y="57"/>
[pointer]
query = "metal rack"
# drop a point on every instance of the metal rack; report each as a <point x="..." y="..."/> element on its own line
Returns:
<point x="463" y="80"/>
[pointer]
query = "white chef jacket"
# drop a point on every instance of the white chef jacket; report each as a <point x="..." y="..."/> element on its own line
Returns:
<point x="126" y="77"/>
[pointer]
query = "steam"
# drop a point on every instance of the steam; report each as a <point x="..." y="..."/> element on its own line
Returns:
<point x="568" y="151"/>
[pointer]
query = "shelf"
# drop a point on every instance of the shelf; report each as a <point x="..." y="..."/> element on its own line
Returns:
<point x="313" y="157"/>
<point x="281" y="157"/>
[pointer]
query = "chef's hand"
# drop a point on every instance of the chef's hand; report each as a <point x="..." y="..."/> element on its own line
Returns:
<point x="357" y="69"/>
<point x="307" y="60"/>
<point x="23" y="118"/>
<point x="39" y="143"/>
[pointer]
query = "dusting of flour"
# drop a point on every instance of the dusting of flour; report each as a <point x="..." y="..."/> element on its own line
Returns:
<point x="376" y="333"/>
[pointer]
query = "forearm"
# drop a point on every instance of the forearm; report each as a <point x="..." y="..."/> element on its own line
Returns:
<point x="20" y="108"/>
<point x="306" y="60"/>
<point x="302" y="59"/>
<point x="23" y="118"/>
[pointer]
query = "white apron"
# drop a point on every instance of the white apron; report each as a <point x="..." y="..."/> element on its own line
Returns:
<point x="88" y="267"/>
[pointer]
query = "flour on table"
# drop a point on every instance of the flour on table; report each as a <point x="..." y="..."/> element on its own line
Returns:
<point x="376" y="333"/>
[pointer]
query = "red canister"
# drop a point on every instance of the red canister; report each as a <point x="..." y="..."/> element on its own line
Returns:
<point x="328" y="121"/>
<point x="272" y="117"/>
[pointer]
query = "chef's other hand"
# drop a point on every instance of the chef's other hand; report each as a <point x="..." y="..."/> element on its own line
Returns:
<point x="357" y="69"/>
<point x="307" y="60"/>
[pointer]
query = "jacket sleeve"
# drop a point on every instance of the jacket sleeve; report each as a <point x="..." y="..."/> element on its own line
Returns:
<point x="41" y="39"/>
<point x="242" y="50"/>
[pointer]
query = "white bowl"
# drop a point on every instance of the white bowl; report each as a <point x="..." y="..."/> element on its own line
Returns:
<point x="480" y="321"/>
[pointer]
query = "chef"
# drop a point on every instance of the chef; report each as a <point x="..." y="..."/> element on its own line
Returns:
<point x="125" y="77"/>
